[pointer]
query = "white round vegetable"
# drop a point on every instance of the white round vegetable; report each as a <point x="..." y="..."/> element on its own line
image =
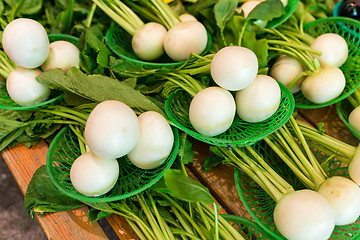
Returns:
<point x="234" y="68"/>
<point x="304" y="214"/>
<point x="333" y="47"/>
<point x="94" y="176"/>
<point x="148" y="41"/>
<point x="344" y="198"/>
<point x="212" y="111"/>
<point x="185" y="38"/>
<point x="63" y="54"/>
<point x="187" y="17"/>
<point x="285" y="69"/>
<point x="354" y="118"/>
<point x="155" y="141"/>
<point x="259" y="100"/>
<point x="26" y="42"/>
<point x="112" y="129"/>
<point x="354" y="166"/>
<point x="24" y="89"/>
<point x="324" y="85"/>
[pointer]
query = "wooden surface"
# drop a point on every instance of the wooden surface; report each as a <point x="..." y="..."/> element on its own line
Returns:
<point x="23" y="162"/>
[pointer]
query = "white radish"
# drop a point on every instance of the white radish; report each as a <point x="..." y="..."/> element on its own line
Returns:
<point x="24" y="89"/>
<point x="333" y="47"/>
<point x="63" y="54"/>
<point x="94" y="176"/>
<point x="148" y="41"/>
<point x="304" y="214"/>
<point x="354" y="118"/>
<point x="324" y="85"/>
<point x="212" y="111"/>
<point x="259" y="100"/>
<point x="185" y="38"/>
<point x="285" y="69"/>
<point x="187" y="17"/>
<point x="26" y="42"/>
<point x="155" y="141"/>
<point x="234" y="68"/>
<point x="343" y="195"/>
<point x="112" y="129"/>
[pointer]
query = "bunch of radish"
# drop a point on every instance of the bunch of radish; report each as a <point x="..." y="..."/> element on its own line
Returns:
<point x="235" y="70"/>
<point x="176" y="36"/>
<point x="113" y="131"/>
<point x="26" y="43"/>
<point x="323" y="84"/>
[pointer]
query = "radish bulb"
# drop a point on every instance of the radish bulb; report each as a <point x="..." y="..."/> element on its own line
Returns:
<point x="187" y="17"/>
<point x="343" y="196"/>
<point x="112" y="129"/>
<point x="324" y="85"/>
<point x="234" y="68"/>
<point x="154" y="143"/>
<point x="148" y="41"/>
<point x="333" y="47"/>
<point x="94" y="176"/>
<point x="212" y="111"/>
<point x="63" y="54"/>
<point x="24" y="89"/>
<point x="354" y="118"/>
<point x="259" y="100"/>
<point x="304" y="214"/>
<point x="26" y="42"/>
<point x="185" y="38"/>
<point x="285" y="69"/>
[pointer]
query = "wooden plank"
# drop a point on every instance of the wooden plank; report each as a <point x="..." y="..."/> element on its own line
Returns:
<point x="74" y="224"/>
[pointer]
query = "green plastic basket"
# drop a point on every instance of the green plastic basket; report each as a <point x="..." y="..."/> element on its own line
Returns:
<point x="248" y="229"/>
<point x="261" y="206"/>
<point x="344" y="109"/>
<point x="289" y="10"/>
<point x="64" y="150"/>
<point x="240" y="133"/>
<point x="345" y="27"/>
<point x="7" y="103"/>
<point x="119" y="42"/>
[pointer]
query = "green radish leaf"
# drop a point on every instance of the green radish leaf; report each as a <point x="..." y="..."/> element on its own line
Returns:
<point x="97" y="88"/>
<point x="160" y="186"/>
<point x="95" y="214"/>
<point x="259" y="47"/>
<point x="224" y="10"/>
<point x="185" y="188"/>
<point x="267" y="10"/>
<point x="185" y="153"/>
<point x="211" y="162"/>
<point x="42" y="196"/>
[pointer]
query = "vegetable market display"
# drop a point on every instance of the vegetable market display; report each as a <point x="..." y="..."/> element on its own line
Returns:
<point x="119" y="88"/>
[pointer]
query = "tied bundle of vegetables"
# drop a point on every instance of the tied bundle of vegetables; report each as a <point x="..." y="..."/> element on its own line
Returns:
<point x="306" y="64"/>
<point x="341" y="193"/>
<point x="164" y="32"/>
<point x="298" y="214"/>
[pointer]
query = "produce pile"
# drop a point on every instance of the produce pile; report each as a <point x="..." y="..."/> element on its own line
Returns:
<point x="118" y="88"/>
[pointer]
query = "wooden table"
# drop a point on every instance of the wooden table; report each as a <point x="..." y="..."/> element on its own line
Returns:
<point x="74" y="224"/>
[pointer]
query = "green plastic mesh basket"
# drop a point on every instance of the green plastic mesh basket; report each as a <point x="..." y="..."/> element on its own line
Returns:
<point x="345" y="27"/>
<point x="248" y="229"/>
<point x="344" y="109"/>
<point x="64" y="150"/>
<point x="240" y="133"/>
<point x="261" y="206"/>
<point x="289" y="10"/>
<point x="7" y="103"/>
<point x="119" y="42"/>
